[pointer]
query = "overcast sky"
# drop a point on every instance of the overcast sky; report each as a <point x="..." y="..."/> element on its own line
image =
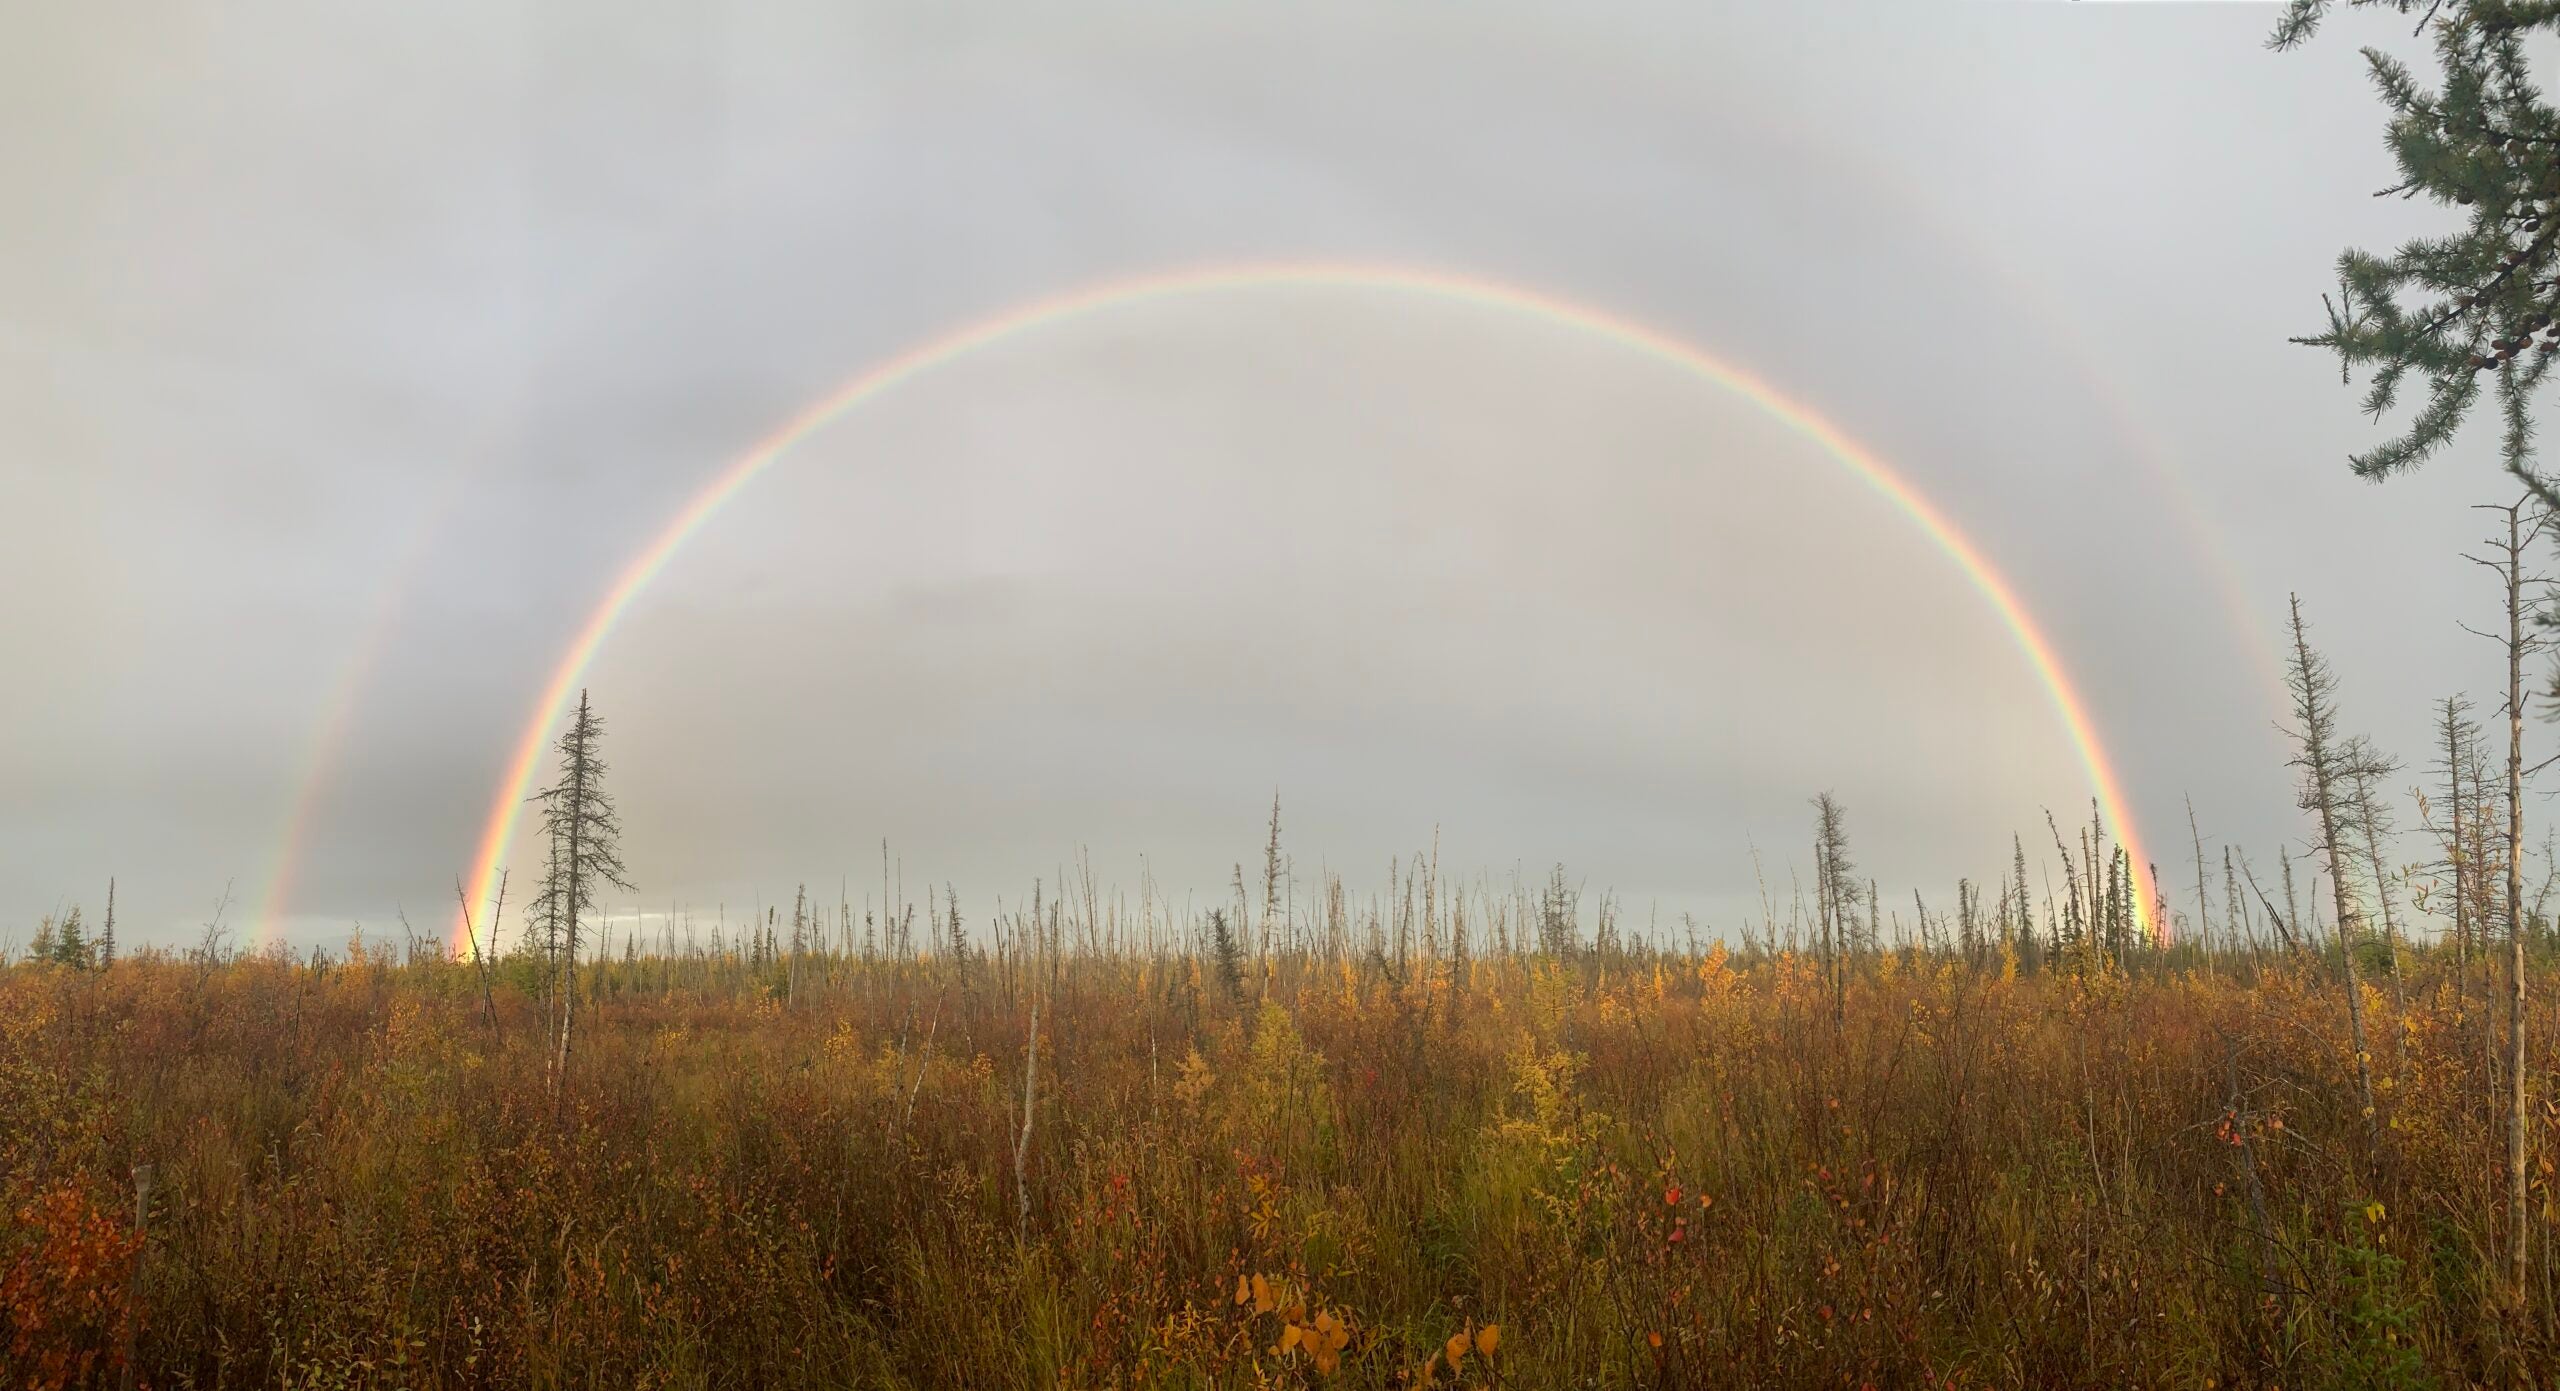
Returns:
<point x="355" y="352"/>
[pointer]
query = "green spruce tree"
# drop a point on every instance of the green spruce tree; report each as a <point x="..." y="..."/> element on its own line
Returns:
<point x="1226" y="955"/>
<point x="2471" y="309"/>
<point x="71" y="942"/>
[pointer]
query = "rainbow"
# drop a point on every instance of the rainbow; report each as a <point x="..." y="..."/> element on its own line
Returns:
<point x="1917" y="203"/>
<point x="319" y="761"/>
<point x="523" y="764"/>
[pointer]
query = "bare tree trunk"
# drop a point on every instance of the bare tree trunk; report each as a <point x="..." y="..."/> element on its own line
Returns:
<point x="568" y="988"/>
<point x="2294" y="936"/>
<point x="480" y="959"/>
<point x="2516" y="1230"/>
<point x="550" y="973"/>
<point x="1835" y="900"/>
<point x="133" y="1289"/>
<point x="2370" y="814"/>
<point x="2250" y="1188"/>
<point x="2478" y="857"/>
<point x="1827" y="921"/>
<point x="568" y="1013"/>
<point x="1270" y="901"/>
<point x="2320" y="761"/>
<point x="1022" y="1145"/>
<point x="2458" y="861"/>
<point x="2508" y="565"/>
<point x="2204" y="910"/>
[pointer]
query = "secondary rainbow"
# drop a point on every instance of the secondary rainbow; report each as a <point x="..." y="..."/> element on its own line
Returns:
<point x="524" y="761"/>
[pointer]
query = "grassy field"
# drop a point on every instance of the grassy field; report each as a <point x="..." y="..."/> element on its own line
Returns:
<point x="1628" y="1168"/>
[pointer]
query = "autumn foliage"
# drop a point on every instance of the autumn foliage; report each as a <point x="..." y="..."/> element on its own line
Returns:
<point x="1628" y="1168"/>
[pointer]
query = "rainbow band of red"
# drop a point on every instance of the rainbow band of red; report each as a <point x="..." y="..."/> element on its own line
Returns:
<point x="524" y="764"/>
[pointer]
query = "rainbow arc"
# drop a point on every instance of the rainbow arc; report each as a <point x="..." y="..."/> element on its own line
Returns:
<point x="523" y="765"/>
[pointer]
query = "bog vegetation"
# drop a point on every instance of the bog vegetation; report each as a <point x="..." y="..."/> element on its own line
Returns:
<point x="2294" y="1132"/>
<point x="2284" y="1132"/>
<point x="1434" y="1135"/>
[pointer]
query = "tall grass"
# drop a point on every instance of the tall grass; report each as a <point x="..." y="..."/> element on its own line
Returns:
<point x="1640" y="1168"/>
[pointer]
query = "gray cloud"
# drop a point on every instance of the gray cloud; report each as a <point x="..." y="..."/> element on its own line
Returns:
<point x="371" y="345"/>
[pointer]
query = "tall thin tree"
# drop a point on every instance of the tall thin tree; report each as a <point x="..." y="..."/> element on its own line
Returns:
<point x="2326" y="759"/>
<point x="2525" y="523"/>
<point x="2204" y="908"/>
<point x="585" y="833"/>
<point x="1836" y="889"/>
<point x="2366" y="768"/>
<point x="2458" y="735"/>
<point x="1270" y="891"/>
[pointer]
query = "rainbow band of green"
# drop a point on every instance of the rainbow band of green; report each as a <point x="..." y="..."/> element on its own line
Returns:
<point x="524" y="764"/>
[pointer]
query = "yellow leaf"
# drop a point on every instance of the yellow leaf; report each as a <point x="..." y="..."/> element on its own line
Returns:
<point x="1290" y="1335"/>
<point x="1262" y="1301"/>
<point x="1456" y="1349"/>
<point x="1488" y="1338"/>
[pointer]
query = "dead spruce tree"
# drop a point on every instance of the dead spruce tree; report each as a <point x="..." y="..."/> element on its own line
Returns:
<point x="2330" y="769"/>
<point x="2458" y="735"/>
<point x="2367" y="767"/>
<point x="1270" y="897"/>
<point x="1030" y="1100"/>
<point x="2204" y="907"/>
<point x="585" y="837"/>
<point x="2525" y="523"/>
<point x="1835" y="897"/>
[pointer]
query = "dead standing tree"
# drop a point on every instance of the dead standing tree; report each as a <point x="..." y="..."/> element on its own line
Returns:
<point x="2366" y="768"/>
<point x="585" y="835"/>
<point x="2204" y="907"/>
<point x="2459" y="737"/>
<point x="2331" y="766"/>
<point x="2525" y="523"/>
<point x="480" y="959"/>
<point x="1836" y="897"/>
<point x="1270" y="900"/>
